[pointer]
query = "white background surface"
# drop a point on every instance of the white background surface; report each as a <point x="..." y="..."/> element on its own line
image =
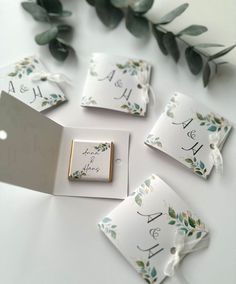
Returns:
<point x="55" y="240"/>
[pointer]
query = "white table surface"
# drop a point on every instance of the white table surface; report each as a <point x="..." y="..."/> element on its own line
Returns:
<point x="55" y="240"/>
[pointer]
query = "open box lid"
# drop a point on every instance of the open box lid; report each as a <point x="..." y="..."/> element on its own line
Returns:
<point x="30" y="152"/>
<point x="36" y="153"/>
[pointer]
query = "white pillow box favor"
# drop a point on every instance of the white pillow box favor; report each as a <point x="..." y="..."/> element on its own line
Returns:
<point x="28" y="81"/>
<point x="190" y="133"/>
<point x="117" y="83"/>
<point x="154" y="229"/>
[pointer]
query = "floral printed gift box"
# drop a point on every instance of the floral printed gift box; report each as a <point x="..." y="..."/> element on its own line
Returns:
<point x="190" y="133"/>
<point x="17" y="80"/>
<point x="117" y="83"/>
<point x="143" y="228"/>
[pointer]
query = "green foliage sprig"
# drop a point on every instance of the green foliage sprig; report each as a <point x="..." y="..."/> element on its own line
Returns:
<point x="51" y="12"/>
<point x="111" y="12"/>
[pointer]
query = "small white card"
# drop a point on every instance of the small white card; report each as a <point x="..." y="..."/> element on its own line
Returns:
<point x="117" y="83"/>
<point x="183" y="130"/>
<point x="91" y="160"/>
<point x="16" y="80"/>
<point x="143" y="228"/>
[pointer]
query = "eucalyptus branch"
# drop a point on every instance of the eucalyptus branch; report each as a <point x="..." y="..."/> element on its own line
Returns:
<point x="51" y="12"/>
<point x="205" y="55"/>
<point x="111" y="12"/>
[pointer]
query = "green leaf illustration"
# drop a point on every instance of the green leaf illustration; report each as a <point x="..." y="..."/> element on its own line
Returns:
<point x="138" y="199"/>
<point x="172" y="212"/>
<point x="199" y="234"/>
<point x="153" y="272"/>
<point x="199" y="116"/>
<point x="12" y="74"/>
<point x="140" y="263"/>
<point x="202" y="166"/>
<point x="172" y="222"/>
<point x="190" y="161"/>
<point x="181" y="217"/>
<point x="212" y="128"/>
<point x="106" y="220"/>
<point x="147" y="182"/>
<point x="113" y="234"/>
<point x="191" y="222"/>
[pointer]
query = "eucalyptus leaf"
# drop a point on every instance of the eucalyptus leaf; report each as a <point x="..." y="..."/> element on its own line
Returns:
<point x="140" y="263"/>
<point x="59" y="49"/>
<point x="108" y="14"/>
<point x="45" y="37"/>
<point x="171" y="45"/>
<point x="62" y="14"/>
<point x="91" y="2"/>
<point x="141" y="6"/>
<point x="136" y="24"/>
<point x="159" y="38"/>
<point x="173" y="14"/>
<point x="193" y="30"/>
<point x="120" y="3"/>
<point x="194" y="60"/>
<point x="207" y="45"/>
<point x="206" y="74"/>
<point x="153" y="272"/>
<point x="64" y="28"/>
<point x="223" y="62"/>
<point x="199" y="234"/>
<point x="36" y="11"/>
<point x="222" y="52"/>
<point x="52" y="6"/>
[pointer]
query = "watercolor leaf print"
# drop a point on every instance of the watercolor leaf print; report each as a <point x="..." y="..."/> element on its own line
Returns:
<point x="102" y="147"/>
<point x="213" y="122"/>
<point x="78" y="174"/>
<point x="142" y="190"/>
<point x="24" y="67"/>
<point x="197" y="166"/>
<point x="147" y="271"/>
<point x="171" y="106"/>
<point x="52" y="100"/>
<point x="107" y="227"/>
<point x="132" y="67"/>
<point x="186" y="223"/>
<point x="92" y="67"/>
<point x="153" y="140"/>
<point x="88" y="101"/>
<point x="132" y="108"/>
